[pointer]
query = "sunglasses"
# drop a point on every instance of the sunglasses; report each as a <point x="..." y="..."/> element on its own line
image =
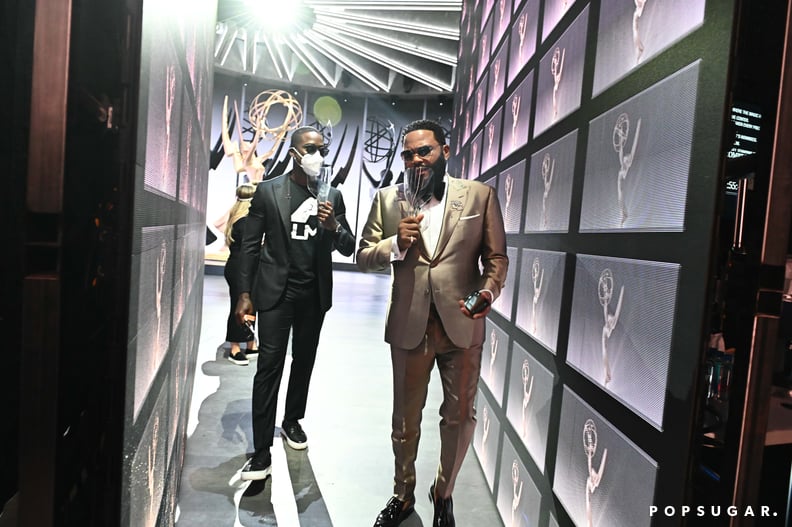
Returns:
<point x="421" y="151"/>
<point x="312" y="149"/>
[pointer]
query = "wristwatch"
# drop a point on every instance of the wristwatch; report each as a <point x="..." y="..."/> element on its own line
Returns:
<point x="338" y="228"/>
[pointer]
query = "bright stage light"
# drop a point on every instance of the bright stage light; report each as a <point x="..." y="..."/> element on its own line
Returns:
<point x="281" y="16"/>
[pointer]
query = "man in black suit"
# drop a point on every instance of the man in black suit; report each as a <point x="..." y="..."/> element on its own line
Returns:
<point x="288" y="281"/>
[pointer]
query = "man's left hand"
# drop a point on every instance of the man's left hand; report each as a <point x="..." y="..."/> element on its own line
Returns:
<point x="326" y="217"/>
<point x="485" y="295"/>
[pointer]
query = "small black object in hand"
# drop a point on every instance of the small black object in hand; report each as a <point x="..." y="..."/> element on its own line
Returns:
<point x="475" y="302"/>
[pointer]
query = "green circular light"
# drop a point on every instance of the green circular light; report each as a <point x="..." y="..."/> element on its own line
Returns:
<point x="327" y="110"/>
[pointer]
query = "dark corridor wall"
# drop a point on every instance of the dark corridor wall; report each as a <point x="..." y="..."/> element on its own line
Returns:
<point x="16" y="22"/>
<point x="101" y="279"/>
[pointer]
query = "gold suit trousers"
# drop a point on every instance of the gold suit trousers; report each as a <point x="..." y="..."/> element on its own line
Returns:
<point x="459" y="373"/>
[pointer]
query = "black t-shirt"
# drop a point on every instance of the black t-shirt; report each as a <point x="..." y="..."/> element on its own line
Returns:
<point x="303" y="233"/>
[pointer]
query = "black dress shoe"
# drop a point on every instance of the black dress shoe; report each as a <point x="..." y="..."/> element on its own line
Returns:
<point x="394" y="513"/>
<point x="443" y="510"/>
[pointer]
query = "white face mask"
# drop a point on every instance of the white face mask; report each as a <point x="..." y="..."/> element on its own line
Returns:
<point x="312" y="164"/>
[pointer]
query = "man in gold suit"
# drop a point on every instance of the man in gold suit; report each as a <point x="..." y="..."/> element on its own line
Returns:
<point x="448" y="262"/>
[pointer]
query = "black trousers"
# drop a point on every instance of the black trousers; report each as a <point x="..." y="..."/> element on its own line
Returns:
<point x="300" y="311"/>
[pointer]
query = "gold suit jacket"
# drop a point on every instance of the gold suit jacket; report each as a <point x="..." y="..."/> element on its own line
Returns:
<point x="472" y="232"/>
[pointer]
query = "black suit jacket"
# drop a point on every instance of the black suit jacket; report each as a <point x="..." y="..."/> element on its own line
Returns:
<point x="264" y="266"/>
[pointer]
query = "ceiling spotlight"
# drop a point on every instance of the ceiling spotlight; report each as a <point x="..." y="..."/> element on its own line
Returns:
<point x="276" y="16"/>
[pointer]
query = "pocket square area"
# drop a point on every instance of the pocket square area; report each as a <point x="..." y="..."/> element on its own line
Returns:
<point x="469" y="217"/>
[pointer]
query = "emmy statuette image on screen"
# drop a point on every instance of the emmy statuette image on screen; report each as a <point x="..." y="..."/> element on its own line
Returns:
<point x="621" y="327"/>
<point x="561" y="76"/>
<point x="519" y="500"/>
<point x="539" y="298"/>
<point x="631" y="32"/>
<point x="638" y="159"/>
<point x="601" y="477"/>
<point x="485" y="438"/>
<point x="529" y="398"/>
<point x="547" y="205"/>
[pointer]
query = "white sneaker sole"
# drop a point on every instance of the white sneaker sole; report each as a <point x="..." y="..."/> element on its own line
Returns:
<point x="256" y="475"/>
<point x="293" y="444"/>
<point x="238" y="362"/>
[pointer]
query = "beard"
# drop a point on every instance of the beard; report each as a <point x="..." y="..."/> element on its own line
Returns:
<point x="438" y="173"/>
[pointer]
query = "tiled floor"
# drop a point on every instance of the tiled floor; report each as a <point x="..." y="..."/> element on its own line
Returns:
<point x="345" y="476"/>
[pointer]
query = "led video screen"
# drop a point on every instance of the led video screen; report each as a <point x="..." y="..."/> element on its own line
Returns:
<point x="182" y="276"/>
<point x="480" y="106"/>
<point x="554" y="11"/>
<point x="510" y="191"/>
<point x="539" y="299"/>
<point x="633" y="31"/>
<point x="497" y="77"/>
<point x="550" y="186"/>
<point x="164" y="94"/>
<point x="187" y="186"/>
<point x="485" y="438"/>
<point x="528" y="402"/>
<point x="601" y="477"/>
<point x="519" y="500"/>
<point x="471" y="79"/>
<point x="456" y="137"/>
<point x="147" y="471"/>
<point x="621" y="328"/>
<point x="166" y="258"/>
<point x="492" y="139"/>
<point x="494" y="360"/>
<point x="500" y="24"/>
<point x="460" y="161"/>
<point x="485" y="12"/>
<point x="468" y="125"/>
<point x="523" y="38"/>
<point x="484" y="48"/>
<point x="153" y="304"/>
<point x="747" y="123"/>
<point x="474" y="165"/>
<point x="561" y="76"/>
<point x="638" y="159"/>
<point x="517" y="117"/>
<point x="503" y="304"/>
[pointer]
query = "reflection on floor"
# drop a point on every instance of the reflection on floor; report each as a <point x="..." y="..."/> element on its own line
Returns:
<point x="345" y="476"/>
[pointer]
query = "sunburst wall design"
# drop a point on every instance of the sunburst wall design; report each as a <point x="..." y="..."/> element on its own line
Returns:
<point x="364" y="46"/>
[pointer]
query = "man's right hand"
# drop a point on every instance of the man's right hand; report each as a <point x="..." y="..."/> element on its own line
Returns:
<point x="244" y="307"/>
<point x="409" y="232"/>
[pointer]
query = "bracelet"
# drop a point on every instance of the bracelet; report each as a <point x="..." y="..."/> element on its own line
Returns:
<point x="338" y="228"/>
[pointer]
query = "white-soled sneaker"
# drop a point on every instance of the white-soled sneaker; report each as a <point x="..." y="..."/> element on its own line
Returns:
<point x="240" y="358"/>
<point x="258" y="467"/>
<point x="294" y="435"/>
